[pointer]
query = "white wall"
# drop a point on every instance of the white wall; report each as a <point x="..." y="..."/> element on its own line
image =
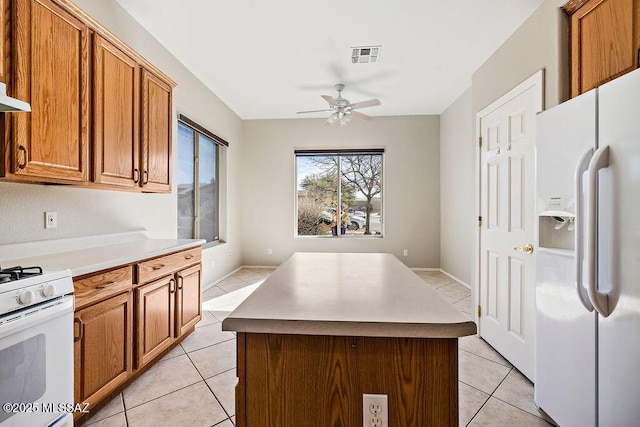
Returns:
<point x="458" y="217"/>
<point x="411" y="186"/>
<point x="83" y="212"/>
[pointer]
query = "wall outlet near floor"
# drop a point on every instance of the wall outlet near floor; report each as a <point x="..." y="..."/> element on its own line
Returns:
<point x="50" y="220"/>
<point x="375" y="412"/>
<point x="405" y="252"/>
<point x="269" y="251"/>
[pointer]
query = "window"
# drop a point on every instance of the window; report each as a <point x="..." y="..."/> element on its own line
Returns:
<point x="339" y="193"/>
<point x="198" y="181"/>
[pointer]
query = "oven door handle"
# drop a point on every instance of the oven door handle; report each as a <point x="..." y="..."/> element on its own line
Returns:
<point x="38" y="315"/>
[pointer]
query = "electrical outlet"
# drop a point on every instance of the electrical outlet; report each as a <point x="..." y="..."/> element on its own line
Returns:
<point x="405" y="252"/>
<point x="269" y="251"/>
<point x="375" y="412"/>
<point x="50" y="220"/>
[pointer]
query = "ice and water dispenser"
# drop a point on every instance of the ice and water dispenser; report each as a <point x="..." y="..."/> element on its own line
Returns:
<point x="556" y="222"/>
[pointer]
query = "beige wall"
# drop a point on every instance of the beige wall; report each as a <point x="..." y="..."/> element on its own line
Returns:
<point x="84" y="212"/>
<point x="411" y="186"/>
<point x="458" y="216"/>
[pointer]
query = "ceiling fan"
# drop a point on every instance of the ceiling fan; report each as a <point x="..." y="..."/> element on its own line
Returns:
<point x="343" y="110"/>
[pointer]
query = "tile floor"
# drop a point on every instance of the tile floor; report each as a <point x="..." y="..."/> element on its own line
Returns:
<point x="194" y="384"/>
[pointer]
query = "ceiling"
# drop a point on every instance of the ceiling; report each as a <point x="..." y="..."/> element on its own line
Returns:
<point x="270" y="59"/>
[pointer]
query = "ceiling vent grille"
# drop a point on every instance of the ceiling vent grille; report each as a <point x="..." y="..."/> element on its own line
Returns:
<point x="365" y="54"/>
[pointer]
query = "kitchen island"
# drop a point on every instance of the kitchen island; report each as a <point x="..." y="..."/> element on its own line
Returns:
<point x="326" y="328"/>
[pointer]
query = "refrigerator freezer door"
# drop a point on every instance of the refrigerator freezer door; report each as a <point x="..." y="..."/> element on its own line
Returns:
<point x="619" y="253"/>
<point x="565" y="386"/>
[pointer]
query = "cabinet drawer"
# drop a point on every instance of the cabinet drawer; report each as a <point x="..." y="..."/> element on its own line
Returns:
<point x="101" y="286"/>
<point x="159" y="267"/>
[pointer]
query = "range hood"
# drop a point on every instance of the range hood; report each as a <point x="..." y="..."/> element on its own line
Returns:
<point x="8" y="104"/>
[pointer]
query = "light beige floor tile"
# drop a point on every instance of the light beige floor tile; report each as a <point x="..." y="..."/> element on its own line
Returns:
<point x="164" y="377"/>
<point x="212" y="292"/>
<point x="175" y="352"/>
<point x="470" y="401"/>
<point x="265" y="271"/>
<point x="225" y="299"/>
<point x="229" y="280"/>
<point x="248" y="276"/>
<point x="480" y="373"/>
<point x="463" y="305"/>
<point x="193" y="406"/>
<point x="243" y="293"/>
<point x="115" y="406"/>
<point x="214" y="360"/>
<point x="454" y="291"/>
<point x="206" y="336"/>
<point x="225" y="423"/>
<point x="224" y="388"/>
<point x="233" y="420"/>
<point x="438" y="279"/>
<point x="207" y="319"/>
<point x="222" y="312"/>
<point x="496" y="413"/>
<point x="423" y="273"/>
<point x="517" y="390"/>
<point x="475" y="345"/>
<point x="237" y="285"/>
<point x="117" y="420"/>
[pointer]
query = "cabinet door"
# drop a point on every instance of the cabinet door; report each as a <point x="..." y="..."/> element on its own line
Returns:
<point x="103" y="350"/>
<point x="116" y="100"/>
<point x="156" y="133"/>
<point x="5" y="12"/>
<point x="189" y="300"/>
<point x="50" y="71"/>
<point x="155" y="321"/>
<point x="605" y="38"/>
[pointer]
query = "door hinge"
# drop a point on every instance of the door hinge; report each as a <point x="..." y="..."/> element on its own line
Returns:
<point x="479" y="221"/>
<point x="479" y="311"/>
<point x="480" y="141"/>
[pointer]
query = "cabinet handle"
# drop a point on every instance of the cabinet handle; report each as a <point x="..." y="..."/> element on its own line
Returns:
<point x="78" y="322"/>
<point x="180" y="282"/>
<point x="188" y="256"/>
<point x="26" y="157"/>
<point x="172" y="286"/>
<point x="158" y="267"/>
<point x="104" y="285"/>
<point x="136" y="175"/>
<point x="145" y="177"/>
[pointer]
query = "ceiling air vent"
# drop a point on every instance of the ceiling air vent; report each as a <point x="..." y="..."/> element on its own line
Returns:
<point x="364" y="54"/>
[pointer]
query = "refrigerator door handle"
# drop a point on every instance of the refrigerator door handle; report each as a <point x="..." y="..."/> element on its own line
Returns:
<point x="583" y="165"/>
<point x="599" y="161"/>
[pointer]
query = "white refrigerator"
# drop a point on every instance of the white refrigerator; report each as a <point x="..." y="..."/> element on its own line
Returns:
<point x="588" y="257"/>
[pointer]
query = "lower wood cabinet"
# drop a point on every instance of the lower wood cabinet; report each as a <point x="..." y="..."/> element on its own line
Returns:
<point x="121" y="327"/>
<point x="103" y="347"/>
<point x="156" y="307"/>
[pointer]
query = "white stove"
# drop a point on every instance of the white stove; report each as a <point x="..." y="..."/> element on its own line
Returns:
<point x="36" y="347"/>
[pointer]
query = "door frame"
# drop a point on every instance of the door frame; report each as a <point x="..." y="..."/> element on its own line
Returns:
<point x="537" y="79"/>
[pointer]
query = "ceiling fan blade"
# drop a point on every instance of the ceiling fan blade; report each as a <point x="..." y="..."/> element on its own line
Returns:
<point x="368" y="103"/>
<point x="360" y="116"/>
<point x="330" y="99"/>
<point x="314" y="111"/>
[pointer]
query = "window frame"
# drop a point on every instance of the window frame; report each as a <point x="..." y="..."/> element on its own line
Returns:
<point x="199" y="131"/>
<point x="339" y="152"/>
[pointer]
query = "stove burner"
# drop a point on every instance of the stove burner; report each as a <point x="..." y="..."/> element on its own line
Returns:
<point x="18" y="272"/>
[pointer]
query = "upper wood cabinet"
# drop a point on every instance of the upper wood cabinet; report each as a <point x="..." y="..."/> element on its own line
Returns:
<point x="605" y="41"/>
<point x="116" y="100"/>
<point x="101" y="114"/>
<point x="50" y="70"/>
<point x="156" y="133"/>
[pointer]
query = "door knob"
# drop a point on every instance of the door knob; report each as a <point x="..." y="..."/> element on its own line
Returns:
<point x="527" y="249"/>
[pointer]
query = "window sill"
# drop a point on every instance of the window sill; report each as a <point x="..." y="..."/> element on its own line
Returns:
<point x="209" y="245"/>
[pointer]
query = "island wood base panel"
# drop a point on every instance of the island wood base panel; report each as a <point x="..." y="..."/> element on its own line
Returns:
<point x="301" y="380"/>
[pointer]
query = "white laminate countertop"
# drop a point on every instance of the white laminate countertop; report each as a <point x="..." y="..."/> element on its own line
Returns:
<point x="348" y="294"/>
<point x="90" y="260"/>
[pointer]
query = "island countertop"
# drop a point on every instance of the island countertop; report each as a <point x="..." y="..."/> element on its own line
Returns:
<point x="348" y="294"/>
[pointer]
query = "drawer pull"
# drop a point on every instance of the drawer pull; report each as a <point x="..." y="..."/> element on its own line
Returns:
<point x="104" y="285"/>
<point x="158" y="267"/>
<point x="188" y="256"/>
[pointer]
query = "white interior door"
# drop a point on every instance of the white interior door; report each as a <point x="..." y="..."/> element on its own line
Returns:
<point x="507" y="206"/>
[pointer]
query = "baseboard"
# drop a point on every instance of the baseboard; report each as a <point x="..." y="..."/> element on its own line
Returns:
<point x="259" y="266"/>
<point x="425" y="269"/>
<point x="466" y="285"/>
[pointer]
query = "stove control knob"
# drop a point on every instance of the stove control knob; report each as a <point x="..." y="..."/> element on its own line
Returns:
<point x="26" y="297"/>
<point x="48" y="291"/>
